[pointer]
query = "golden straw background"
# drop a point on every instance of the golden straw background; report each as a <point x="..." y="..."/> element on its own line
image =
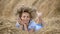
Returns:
<point x="50" y="14"/>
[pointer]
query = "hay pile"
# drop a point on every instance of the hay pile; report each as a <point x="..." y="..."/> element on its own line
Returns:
<point x="49" y="8"/>
<point x="51" y="26"/>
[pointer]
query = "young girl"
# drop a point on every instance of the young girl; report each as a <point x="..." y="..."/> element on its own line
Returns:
<point x="26" y="21"/>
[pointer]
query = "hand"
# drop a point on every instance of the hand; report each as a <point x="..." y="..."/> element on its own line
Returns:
<point x="25" y="27"/>
<point x="21" y="22"/>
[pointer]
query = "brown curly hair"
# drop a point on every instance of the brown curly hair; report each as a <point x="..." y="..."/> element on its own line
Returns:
<point x="31" y="11"/>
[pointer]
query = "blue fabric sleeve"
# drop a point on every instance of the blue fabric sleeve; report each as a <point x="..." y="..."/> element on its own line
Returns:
<point x="17" y="25"/>
<point x="32" y="25"/>
<point x="38" y="27"/>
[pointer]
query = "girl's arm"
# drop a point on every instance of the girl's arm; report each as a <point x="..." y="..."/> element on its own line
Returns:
<point x="25" y="27"/>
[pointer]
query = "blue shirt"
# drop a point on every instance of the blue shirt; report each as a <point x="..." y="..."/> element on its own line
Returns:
<point x="32" y="25"/>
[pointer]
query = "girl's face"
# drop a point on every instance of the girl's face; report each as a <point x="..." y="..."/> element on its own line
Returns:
<point x="25" y="17"/>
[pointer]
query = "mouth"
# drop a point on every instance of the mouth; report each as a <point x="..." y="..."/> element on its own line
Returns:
<point x="25" y="21"/>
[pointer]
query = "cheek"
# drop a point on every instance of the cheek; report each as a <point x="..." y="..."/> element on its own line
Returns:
<point x="28" y="18"/>
<point x="22" y="18"/>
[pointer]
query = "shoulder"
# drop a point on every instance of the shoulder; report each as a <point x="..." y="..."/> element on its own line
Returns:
<point x="32" y="23"/>
<point x="17" y="25"/>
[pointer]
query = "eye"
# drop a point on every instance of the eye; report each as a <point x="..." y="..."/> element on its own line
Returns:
<point x="28" y="17"/>
<point x="24" y="16"/>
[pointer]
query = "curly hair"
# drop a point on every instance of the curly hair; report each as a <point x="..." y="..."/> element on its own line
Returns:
<point x="29" y="10"/>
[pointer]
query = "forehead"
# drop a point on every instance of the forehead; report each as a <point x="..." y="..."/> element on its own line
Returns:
<point x="25" y="13"/>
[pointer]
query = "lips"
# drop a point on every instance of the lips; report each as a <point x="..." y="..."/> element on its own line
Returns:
<point x="25" y="21"/>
